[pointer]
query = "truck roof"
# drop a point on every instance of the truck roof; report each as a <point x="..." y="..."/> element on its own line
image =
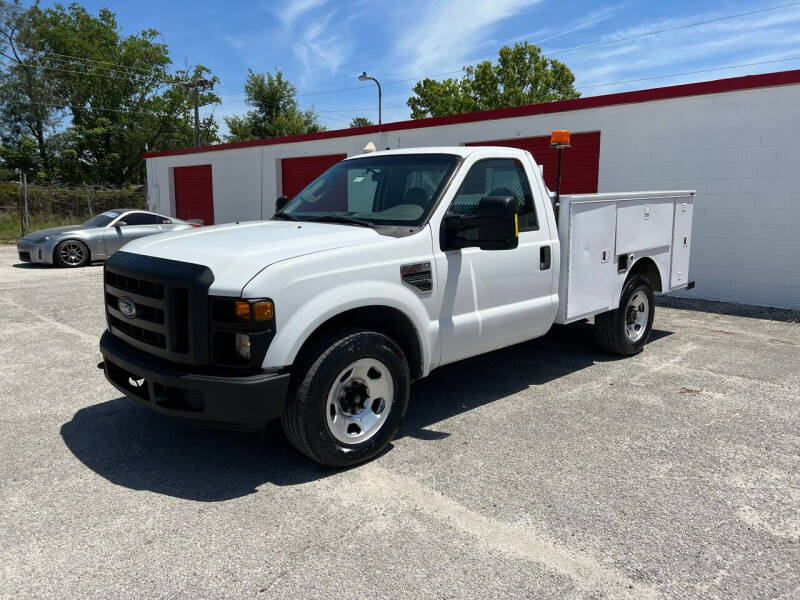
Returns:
<point x="462" y="151"/>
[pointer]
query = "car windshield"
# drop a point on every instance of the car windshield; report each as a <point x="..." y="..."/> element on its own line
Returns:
<point x="375" y="190"/>
<point x="101" y="220"/>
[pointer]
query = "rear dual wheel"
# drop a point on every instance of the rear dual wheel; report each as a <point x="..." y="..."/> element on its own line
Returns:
<point x="350" y="394"/>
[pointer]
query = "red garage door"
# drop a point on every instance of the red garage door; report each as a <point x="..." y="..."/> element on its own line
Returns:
<point x="194" y="198"/>
<point x="579" y="165"/>
<point x="297" y="173"/>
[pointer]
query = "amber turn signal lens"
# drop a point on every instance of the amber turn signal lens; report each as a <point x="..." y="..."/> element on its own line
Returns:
<point x="559" y="137"/>
<point x="263" y="311"/>
<point x="242" y="310"/>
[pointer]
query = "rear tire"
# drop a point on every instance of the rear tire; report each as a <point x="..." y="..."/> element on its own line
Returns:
<point x="71" y="254"/>
<point x="350" y="394"/>
<point x="625" y="330"/>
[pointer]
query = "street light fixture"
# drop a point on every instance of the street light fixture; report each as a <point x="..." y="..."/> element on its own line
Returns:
<point x="365" y="77"/>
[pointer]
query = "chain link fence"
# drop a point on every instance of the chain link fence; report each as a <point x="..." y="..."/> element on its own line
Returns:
<point x="53" y="205"/>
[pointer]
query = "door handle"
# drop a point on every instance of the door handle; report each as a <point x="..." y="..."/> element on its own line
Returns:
<point x="544" y="258"/>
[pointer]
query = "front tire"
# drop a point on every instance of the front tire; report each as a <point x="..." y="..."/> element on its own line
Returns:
<point x="350" y="394"/>
<point x="71" y="254"/>
<point x="625" y="330"/>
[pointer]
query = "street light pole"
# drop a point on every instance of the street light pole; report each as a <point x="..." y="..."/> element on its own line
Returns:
<point x="365" y="77"/>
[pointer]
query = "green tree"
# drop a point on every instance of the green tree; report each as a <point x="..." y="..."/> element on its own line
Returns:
<point x="118" y="92"/>
<point x="275" y="110"/>
<point x="23" y="155"/>
<point x="29" y="105"/>
<point x="521" y="75"/>
<point x="360" y="122"/>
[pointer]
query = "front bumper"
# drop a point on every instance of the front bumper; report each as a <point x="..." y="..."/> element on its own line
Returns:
<point x="235" y="402"/>
<point x="33" y="252"/>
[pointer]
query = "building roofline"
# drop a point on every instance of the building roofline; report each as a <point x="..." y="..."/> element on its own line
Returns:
<point x="683" y="90"/>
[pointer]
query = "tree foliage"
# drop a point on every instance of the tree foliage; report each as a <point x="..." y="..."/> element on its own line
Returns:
<point x="274" y="113"/>
<point x="521" y="75"/>
<point x="360" y="122"/>
<point x="93" y="99"/>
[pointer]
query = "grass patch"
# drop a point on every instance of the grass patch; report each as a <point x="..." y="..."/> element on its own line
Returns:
<point x="10" y="225"/>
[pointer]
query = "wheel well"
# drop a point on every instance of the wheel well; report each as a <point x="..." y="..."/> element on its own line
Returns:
<point x="383" y="319"/>
<point x="88" y="250"/>
<point x="647" y="267"/>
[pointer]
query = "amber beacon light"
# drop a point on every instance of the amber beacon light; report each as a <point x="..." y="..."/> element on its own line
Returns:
<point x="559" y="138"/>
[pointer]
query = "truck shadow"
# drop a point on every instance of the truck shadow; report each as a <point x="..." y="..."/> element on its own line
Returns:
<point x="138" y="449"/>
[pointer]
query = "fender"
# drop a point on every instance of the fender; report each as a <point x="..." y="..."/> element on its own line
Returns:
<point x="292" y="332"/>
<point x="659" y="256"/>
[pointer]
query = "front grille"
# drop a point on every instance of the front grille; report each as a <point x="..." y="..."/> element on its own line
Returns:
<point x="25" y="256"/>
<point x="151" y="289"/>
<point x="170" y="302"/>
<point x="154" y="338"/>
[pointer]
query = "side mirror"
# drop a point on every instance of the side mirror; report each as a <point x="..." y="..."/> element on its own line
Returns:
<point x="120" y="224"/>
<point x="280" y="203"/>
<point x="496" y="224"/>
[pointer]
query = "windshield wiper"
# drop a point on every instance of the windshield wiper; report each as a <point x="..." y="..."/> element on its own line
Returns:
<point x="342" y="219"/>
<point x="283" y="215"/>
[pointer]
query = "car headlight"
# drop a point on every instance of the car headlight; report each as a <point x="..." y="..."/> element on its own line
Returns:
<point x="43" y="239"/>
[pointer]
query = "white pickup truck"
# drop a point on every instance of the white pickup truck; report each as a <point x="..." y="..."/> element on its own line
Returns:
<point x="388" y="265"/>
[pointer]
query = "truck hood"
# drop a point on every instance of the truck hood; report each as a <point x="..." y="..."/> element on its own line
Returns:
<point x="235" y="253"/>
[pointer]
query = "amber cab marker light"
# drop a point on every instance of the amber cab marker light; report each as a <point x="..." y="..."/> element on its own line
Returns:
<point x="263" y="311"/>
<point x="242" y="310"/>
<point x="560" y="138"/>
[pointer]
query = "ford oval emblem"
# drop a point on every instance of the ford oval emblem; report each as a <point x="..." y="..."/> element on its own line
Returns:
<point x="127" y="307"/>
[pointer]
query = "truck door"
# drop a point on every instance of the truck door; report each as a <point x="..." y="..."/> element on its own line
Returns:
<point x="495" y="298"/>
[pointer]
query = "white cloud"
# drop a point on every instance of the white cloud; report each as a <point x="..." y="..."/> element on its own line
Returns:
<point x="710" y="45"/>
<point x="321" y="46"/>
<point x="289" y="12"/>
<point x="441" y="35"/>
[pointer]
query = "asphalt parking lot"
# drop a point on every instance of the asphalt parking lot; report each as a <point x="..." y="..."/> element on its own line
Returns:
<point x="547" y="470"/>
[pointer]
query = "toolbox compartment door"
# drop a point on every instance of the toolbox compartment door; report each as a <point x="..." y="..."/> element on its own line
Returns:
<point x="590" y="272"/>
<point x="644" y="224"/>
<point x="681" y="242"/>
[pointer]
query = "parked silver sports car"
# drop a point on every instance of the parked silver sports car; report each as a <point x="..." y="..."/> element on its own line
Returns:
<point x="95" y="240"/>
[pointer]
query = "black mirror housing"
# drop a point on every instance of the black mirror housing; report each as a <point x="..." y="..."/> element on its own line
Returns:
<point x="496" y="222"/>
<point x="498" y="227"/>
<point x="280" y="203"/>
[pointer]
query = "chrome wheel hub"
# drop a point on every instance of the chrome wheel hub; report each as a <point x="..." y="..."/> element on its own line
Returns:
<point x="637" y="313"/>
<point x="359" y="401"/>
<point x="72" y="253"/>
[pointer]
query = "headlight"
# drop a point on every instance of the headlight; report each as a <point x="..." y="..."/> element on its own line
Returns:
<point x="43" y="239"/>
<point x="243" y="345"/>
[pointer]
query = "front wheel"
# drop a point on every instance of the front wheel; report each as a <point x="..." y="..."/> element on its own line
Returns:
<point x="350" y="395"/>
<point x="625" y="331"/>
<point x="71" y="253"/>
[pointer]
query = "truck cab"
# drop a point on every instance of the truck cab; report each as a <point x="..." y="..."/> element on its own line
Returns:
<point x="387" y="266"/>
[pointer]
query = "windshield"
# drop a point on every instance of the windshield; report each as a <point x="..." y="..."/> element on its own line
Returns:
<point x="102" y="219"/>
<point x="381" y="190"/>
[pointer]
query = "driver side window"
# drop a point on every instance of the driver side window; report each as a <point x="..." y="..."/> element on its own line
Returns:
<point x="497" y="177"/>
<point x="139" y="218"/>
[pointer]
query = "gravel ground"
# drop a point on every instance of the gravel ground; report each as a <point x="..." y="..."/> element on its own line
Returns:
<point x="546" y="470"/>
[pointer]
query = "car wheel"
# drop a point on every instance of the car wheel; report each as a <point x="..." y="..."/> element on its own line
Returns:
<point x="625" y="331"/>
<point x="349" y="397"/>
<point x="71" y="253"/>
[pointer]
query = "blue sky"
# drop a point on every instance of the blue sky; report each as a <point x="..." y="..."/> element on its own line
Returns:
<point x="323" y="45"/>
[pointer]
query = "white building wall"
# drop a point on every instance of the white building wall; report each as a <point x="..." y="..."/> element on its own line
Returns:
<point x="739" y="150"/>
